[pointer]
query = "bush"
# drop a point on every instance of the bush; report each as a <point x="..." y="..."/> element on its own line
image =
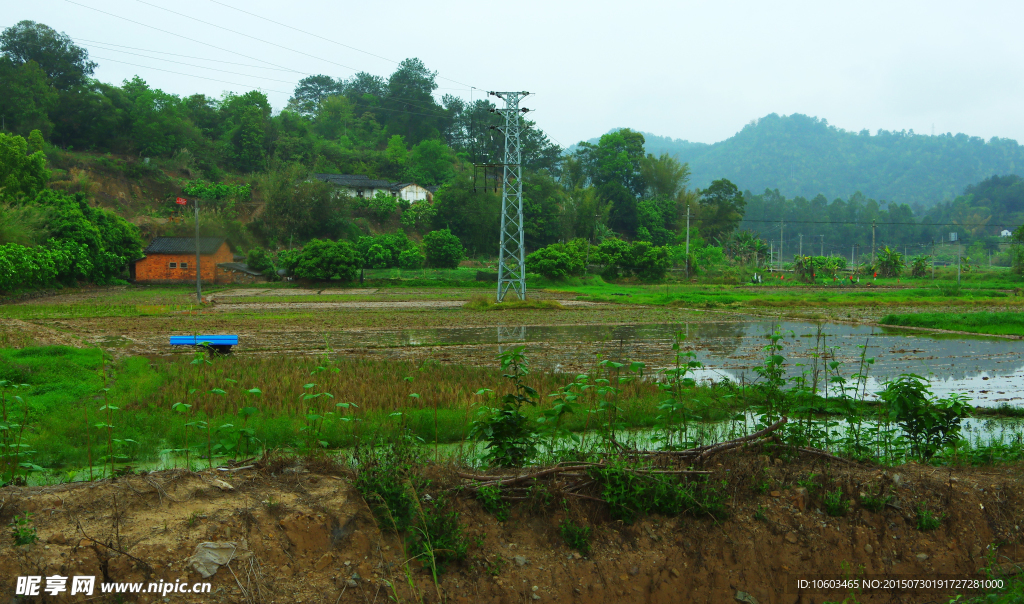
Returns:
<point x="559" y="260"/>
<point x="259" y="260"/>
<point x="920" y="265"/>
<point x="640" y="258"/>
<point x="323" y="260"/>
<point x="443" y="249"/>
<point x="929" y="424"/>
<point x="410" y="260"/>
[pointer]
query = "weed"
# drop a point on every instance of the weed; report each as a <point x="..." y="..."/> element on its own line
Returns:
<point x="510" y="435"/>
<point x="492" y="501"/>
<point x="875" y="503"/>
<point x="836" y="504"/>
<point x="436" y="538"/>
<point x="760" y="514"/>
<point x="809" y="483"/>
<point x="22" y="529"/>
<point x="926" y="521"/>
<point x="576" y="536"/>
<point x="384" y="470"/>
<point x="761" y="486"/>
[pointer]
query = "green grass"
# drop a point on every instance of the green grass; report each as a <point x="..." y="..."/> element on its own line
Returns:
<point x="996" y="323"/>
<point x="487" y="303"/>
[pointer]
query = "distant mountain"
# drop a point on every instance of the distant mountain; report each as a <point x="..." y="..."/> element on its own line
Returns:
<point x="805" y="156"/>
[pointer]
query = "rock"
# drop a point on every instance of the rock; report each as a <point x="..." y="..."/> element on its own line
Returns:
<point x="896" y="479"/>
<point x="742" y="596"/>
<point x="778" y="461"/>
<point x="776" y="494"/>
<point x="220" y="484"/>
<point x="623" y="578"/>
<point x="576" y="555"/>
<point x="534" y="597"/>
<point x="673" y="572"/>
<point x="351" y="582"/>
<point x="634" y="571"/>
<point x="520" y="560"/>
<point x="869" y="549"/>
<point x="922" y="557"/>
<point x="211" y="555"/>
<point x="57" y="539"/>
<point x="324" y="561"/>
<point x="534" y="588"/>
<point x="801" y="498"/>
<point x="791" y="537"/>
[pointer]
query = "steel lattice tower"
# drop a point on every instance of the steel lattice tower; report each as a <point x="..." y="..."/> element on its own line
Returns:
<point x="511" y="253"/>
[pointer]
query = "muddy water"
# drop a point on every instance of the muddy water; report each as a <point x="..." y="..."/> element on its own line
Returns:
<point x="988" y="370"/>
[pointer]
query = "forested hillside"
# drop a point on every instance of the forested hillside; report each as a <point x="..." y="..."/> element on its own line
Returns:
<point x="805" y="156"/>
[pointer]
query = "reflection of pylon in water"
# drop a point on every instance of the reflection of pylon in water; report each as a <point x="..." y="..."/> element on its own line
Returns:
<point x="509" y="335"/>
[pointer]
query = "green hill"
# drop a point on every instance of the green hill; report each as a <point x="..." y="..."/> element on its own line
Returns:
<point x="805" y="156"/>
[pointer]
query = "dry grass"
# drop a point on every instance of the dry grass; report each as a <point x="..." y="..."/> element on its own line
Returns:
<point x="373" y="385"/>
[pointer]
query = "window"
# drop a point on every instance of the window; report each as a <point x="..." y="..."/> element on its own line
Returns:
<point x="173" y="265"/>
<point x="184" y="265"/>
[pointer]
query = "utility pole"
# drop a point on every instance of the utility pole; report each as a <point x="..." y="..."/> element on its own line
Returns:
<point x="822" y="246"/>
<point x="688" y="241"/>
<point x="801" y="244"/>
<point x="199" y="268"/>
<point x="958" y="261"/>
<point x="511" y="251"/>
<point x="872" y="244"/>
<point x="782" y="228"/>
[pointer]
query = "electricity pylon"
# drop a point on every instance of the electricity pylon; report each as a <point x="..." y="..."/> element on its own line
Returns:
<point x="511" y="252"/>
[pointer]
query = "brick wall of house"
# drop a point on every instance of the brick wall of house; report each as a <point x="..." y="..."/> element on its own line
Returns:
<point x="156" y="268"/>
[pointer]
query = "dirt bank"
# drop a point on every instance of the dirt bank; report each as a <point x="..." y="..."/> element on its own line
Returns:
<point x="307" y="536"/>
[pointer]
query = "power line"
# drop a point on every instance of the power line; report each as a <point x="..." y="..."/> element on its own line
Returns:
<point x="328" y="40"/>
<point x="965" y="226"/>
<point x="191" y="65"/>
<point x="194" y="76"/>
<point x="116" y="47"/>
<point x="175" y="34"/>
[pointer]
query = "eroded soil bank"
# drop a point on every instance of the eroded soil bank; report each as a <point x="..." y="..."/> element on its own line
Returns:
<point x="303" y="534"/>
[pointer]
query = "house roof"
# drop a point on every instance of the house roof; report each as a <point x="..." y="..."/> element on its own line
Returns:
<point x="354" y="181"/>
<point x="184" y="245"/>
<point x="240" y="267"/>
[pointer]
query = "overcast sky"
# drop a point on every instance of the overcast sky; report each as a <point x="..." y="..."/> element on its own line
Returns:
<point x="693" y="70"/>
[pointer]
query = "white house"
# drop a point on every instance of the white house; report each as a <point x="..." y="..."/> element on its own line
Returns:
<point x="412" y="192"/>
<point x="364" y="186"/>
<point x="1005" y="233"/>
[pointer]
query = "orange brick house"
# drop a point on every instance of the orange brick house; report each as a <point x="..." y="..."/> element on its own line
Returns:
<point x="173" y="260"/>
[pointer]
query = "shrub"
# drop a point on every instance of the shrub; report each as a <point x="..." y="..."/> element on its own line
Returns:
<point x="889" y="263"/>
<point x="836" y="504"/>
<point x="323" y="260"/>
<point x="559" y="260"/>
<point x="410" y="259"/>
<point x="920" y="265"/>
<point x="377" y="257"/>
<point x="926" y="521"/>
<point x="576" y="536"/>
<point x="639" y="258"/>
<point x="510" y="435"/>
<point x="258" y="259"/>
<point x="929" y="424"/>
<point x="436" y="538"/>
<point x="443" y="249"/>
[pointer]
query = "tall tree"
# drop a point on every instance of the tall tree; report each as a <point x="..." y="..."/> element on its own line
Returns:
<point x="721" y="209"/>
<point x="663" y="176"/>
<point x="313" y="90"/>
<point x="66" y="64"/>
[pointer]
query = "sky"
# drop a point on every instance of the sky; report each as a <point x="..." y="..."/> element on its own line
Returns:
<point x="697" y="71"/>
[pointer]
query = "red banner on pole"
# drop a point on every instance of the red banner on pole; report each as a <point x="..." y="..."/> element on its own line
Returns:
<point x="180" y="201"/>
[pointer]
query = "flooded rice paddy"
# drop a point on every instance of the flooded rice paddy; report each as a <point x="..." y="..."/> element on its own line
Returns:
<point x="990" y="371"/>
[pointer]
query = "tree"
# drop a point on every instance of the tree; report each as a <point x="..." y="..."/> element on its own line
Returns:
<point x="616" y="158"/>
<point x="623" y="217"/>
<point x="663" y="176"/>
<point x="721" y="209"/>
<point x="411" y="259"/>
<point x="313" y="90"/>
<point x="259" y="260"/>
<point x="26" y="97"/>
<point x="429" y="163"/>
<point x="473" y="216"/>
<point x="65" y="64"/>
<point x="443" y="249"/>
<point x="323" y="260"/>
<point x="21" y="175"/>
